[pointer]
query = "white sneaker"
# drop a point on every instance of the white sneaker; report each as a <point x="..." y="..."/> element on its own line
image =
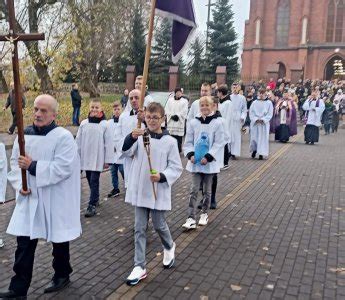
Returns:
<point x="225" y="167"/>
<point x="2" y="244"/>
<point x="169" y="257"/>
<point x="190" y="224"/>
<point x="137" y="274"/>
<point x="203" y="219"/>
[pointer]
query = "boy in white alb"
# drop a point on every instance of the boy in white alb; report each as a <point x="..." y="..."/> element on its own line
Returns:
<point x="166" y="169"/>
<point x="92" y="147"/>
<point x="204" y="141"/>
<point x="116" y="165"/>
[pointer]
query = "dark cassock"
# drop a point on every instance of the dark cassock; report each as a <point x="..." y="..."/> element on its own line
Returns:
<point x="314" y="109"/>
<point x="285" y="120"/>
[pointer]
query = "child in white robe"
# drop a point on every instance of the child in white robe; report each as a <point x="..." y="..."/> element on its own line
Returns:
<point x="166" y="169"/>
<point x="116" y="165"/>
<point x="203" y="164"/>
<point x="92" y="147"/>
<point x="260" y="114"/>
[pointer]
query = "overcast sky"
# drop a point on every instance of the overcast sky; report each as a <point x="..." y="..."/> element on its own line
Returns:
<point x="240" y="8"/>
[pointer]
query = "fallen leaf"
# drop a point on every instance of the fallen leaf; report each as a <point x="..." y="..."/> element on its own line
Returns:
<point x="270" y="286"/>
<point x="186" y="288"/>
<point x="267" y="272"/>
<point x="203" y="297"/>
<point x="120" y="230"/>
<point x="158" y="253"/>
<point x="265" y="248"/>
<point x="235" y="288"/>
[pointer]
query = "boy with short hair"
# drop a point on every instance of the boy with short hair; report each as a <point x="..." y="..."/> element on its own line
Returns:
<point x="113" y="158"/>
<point x="166" y="169"/>
<point x="92" y="147"/>
<point x="204" y="141"/>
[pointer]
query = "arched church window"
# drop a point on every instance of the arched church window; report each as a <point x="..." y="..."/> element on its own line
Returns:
<point x="283" y="23"/>
<point x="335" y="21"/>
<point x="339" y="23"/>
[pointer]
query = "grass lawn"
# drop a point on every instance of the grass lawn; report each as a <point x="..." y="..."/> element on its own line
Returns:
<point x="65" y="109"/>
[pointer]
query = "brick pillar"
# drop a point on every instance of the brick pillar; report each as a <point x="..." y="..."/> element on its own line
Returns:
<point x="173" y="78"/>
<point x="221" y="75"/>
<point x="130" y="77"/>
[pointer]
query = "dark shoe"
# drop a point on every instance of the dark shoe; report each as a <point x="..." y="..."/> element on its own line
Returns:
<point x="312" y="143"/>
<point x="213" y="205"/>
<point x="114" y="193"/>
<point x="11" y="295"/>
<point x="233" y="157"/>
<point x="57" y="285"/>
<point x="253" y="154"/>
<point x="90" y="211"/>
<point x="261" y="157"/>
<point x="9" y="132"/>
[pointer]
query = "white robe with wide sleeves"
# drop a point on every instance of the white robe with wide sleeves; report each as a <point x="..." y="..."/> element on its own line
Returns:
<point x="165" y="159"/>
<point x="93" y="145"/>
<point x="260" y="133"/>
<point x="52" y="210"/>
<point x="239" y="115"/>
<point x="215" y="132"/>
<point x="180" y="109"/>
<point x="3" y="172"/>
<point x="314" y="111"/>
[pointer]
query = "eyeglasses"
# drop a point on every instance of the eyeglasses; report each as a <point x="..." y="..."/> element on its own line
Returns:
<point x="134" y="97"/>
<point x="154" y="118"/>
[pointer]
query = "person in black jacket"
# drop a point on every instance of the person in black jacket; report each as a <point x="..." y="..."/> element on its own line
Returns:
<point x="12" y="102"/>
<point x="76" y="103"/>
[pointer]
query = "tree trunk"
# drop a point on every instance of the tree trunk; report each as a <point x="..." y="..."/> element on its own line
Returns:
<point x="3" y="84"/>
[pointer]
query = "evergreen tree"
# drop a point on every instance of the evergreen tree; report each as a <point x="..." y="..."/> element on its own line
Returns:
<point x="138" y="44"/>
<point x="196" y="52"/>
<point x="161" y="50"/>
<point x="223" y="46"/>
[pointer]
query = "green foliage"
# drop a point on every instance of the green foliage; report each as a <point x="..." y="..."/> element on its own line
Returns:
<point x="196" y="52"/>
<point x="223" y="46"/>
<point x="138" y="44"/>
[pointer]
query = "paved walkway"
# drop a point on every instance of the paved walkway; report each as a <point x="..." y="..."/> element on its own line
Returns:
<point x="278" y="232"/>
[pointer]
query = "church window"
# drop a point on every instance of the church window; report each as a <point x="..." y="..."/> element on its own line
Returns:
<point x="283" y="23"/>
<point x="335" y="21"/>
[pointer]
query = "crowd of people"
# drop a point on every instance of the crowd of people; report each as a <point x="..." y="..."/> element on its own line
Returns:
<point x="144" y="146"/>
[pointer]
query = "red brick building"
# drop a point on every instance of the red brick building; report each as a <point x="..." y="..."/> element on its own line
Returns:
<point x="294" y="39"/>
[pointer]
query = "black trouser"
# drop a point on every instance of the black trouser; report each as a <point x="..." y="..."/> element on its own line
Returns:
<point x="179" y="142"/>
<point x="14" y="122"/>
<point x="93" y="180"/>
<point x="24" y="262"/>
<point x="226" y="155"/>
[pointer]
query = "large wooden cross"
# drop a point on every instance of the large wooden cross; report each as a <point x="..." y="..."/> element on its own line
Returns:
<point x="14" y="38"/>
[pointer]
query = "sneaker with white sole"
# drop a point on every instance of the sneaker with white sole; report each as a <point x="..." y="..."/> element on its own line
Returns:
<point x="136" y="275"/>
<point x="190" y="224"/>
<point x="203" y="219"/>
<point x="225" y="167"/>
<point x="169" y="257"/>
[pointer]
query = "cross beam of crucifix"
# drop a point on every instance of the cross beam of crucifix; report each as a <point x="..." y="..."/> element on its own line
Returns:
<point x="14" y="38"/>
